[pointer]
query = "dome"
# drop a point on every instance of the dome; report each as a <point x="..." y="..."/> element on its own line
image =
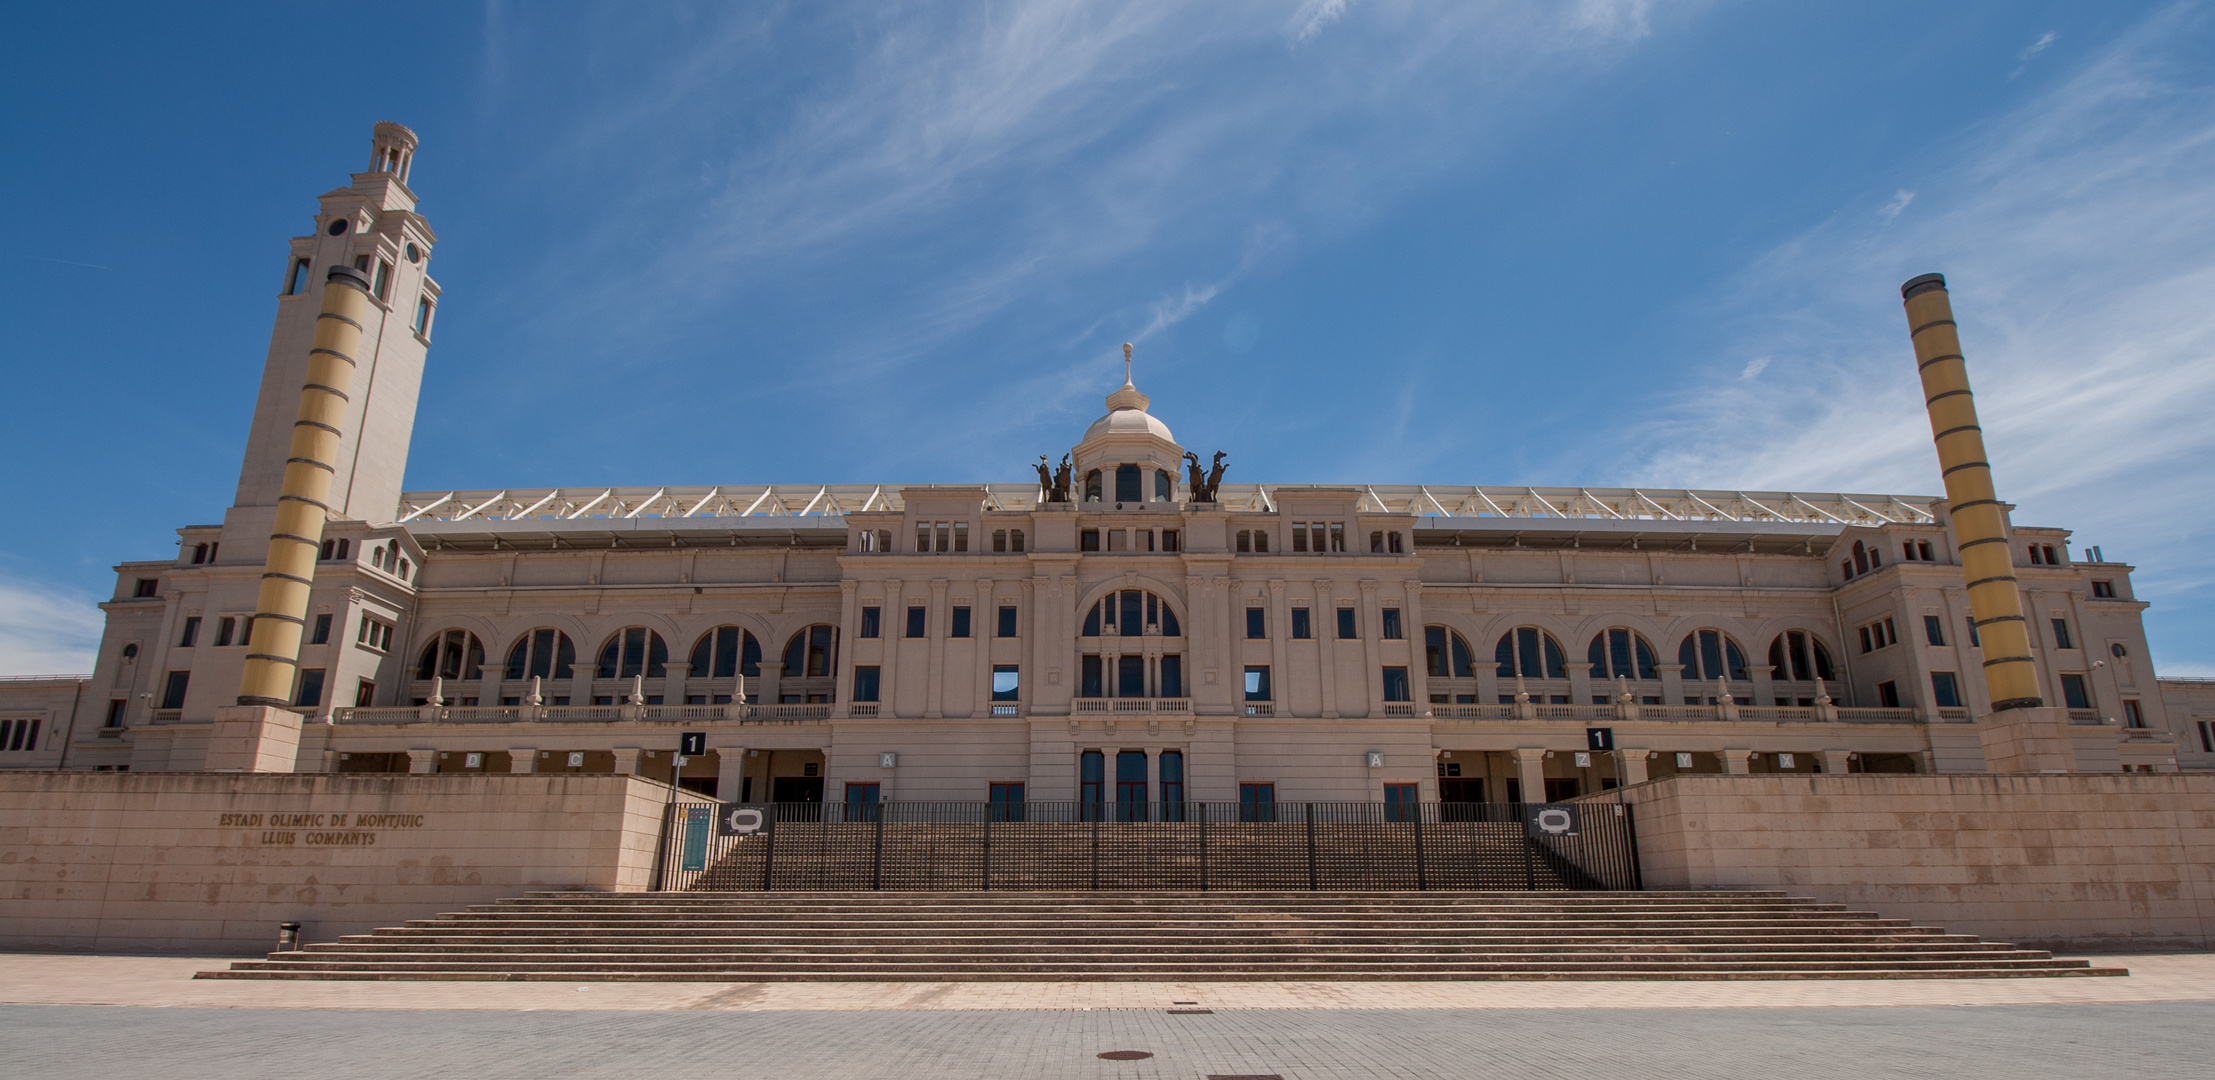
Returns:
<point x="1130" y="421"/>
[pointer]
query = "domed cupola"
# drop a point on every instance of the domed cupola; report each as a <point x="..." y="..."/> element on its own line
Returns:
<point x="1126" y="449"/>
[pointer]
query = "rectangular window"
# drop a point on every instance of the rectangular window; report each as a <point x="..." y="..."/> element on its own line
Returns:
<point x="380" y="284"/>
<point x="1171" y="765"/>
<point x="1392" y="631"/>
<point x="1973" y="642"/>
<point x="2103" y="590"/>
<point x="1088" y="540"/>
<point x="1257" y="684"/>
<point x="918" y="622"/>
<point x="1301" y="630"/>
<point x="1891" y="636"/>
<point x="115" y="712"/>
<point x="2061" y="635"/>
<point x="145" y="588"/>
<point x="365" y="694"/>
<point x="1130" y="676"/>
<point x="191" y="634"/>
<point x="224" y="628"/>
<point x="923" y="537"/>
<point x="2207" y="736"/>
<point x="1169" y="540"/>
<point x="1007" y="683"/>
<point x="311" y="688"/>
<point x="866" y="678"/>
<point x="322" y="632"/>
<point x="872" y="619"/>
<point x="297" y="281"/>
<point x="2133" y="717"/>
<point x="1944" y="691"/>
<point x="1257" y="802"/>
<point x="1172" y="676"/>
<point x="173" y="689"/>
<point x="1299" y="536"/>
<point x="1143" y="539"/>
<point x="961" y="621"/>
<point x="961" y="536"/>
<point x="2073" y="693"/>
<point x="423" y="317"/>
<point x="1092" y="683"/>
<point x="1257" y="623"/>
<point x="1347" y="628"/>
<point x="1934" y="630"/>
<point x="1007" y="802"/>
<point x="1007" y="622"/>
<point x="1338" y="536"/>
<point x="1395" y="684"/>
<point x="1888" y="695"/>
<point x="1118" y="539"/>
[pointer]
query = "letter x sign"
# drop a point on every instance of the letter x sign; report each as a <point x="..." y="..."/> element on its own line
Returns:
<point x="1599" y="738"/>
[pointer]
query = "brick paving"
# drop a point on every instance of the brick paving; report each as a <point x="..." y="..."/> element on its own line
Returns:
<point x="33" y="978"/>
<point x="2148" y="1041"/>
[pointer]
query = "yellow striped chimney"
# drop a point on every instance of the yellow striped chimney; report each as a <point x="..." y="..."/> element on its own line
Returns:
<point x="280" y="615"/>
<point x="1979" y="519"/>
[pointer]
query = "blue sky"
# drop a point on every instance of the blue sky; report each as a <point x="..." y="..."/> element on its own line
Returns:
<point x="1598" y="242"/>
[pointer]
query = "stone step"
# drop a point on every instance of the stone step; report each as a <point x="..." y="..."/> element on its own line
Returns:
<point x="726" y="937"/>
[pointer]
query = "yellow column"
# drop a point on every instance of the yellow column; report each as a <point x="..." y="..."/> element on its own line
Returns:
<point x="1979" y="520"/>
<point x="280" y="614"/>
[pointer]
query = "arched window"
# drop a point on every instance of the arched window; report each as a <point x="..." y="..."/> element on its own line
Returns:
<point x="812" y="653"/>
<point x="1131" y="613"/>
<point x="1092" y="486"/>
<point x="1127" y="486"/>
<point x="1532" y="652"/>
<point x="726" y="652"/>
<point x="1795" y="655"/>
<point x="1621" y="652"/>
<point x="455" y="654"/>
<point x="545" y="653"/>
<point x="634" y="651"/>
<point x="1708" y="655"/>
<point x="1165" y="488"/>
<point x="1443" y="647"/>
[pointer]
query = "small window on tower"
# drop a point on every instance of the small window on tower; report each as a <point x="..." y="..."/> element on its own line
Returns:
<point x="383" y="279"/>
<point x="423" y="317"/>
<point x="297" y="282"/>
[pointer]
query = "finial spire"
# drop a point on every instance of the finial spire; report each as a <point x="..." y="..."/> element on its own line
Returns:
<point x="1127" y="364"/>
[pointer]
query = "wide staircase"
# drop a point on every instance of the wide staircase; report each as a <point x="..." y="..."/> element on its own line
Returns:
<point x="1214" y="936"/>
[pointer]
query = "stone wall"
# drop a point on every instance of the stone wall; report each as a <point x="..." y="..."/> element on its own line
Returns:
<point x="2083" y="861"/>
<point x="212" y="862"/>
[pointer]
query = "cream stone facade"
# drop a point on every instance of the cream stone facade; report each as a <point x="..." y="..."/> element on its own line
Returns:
<point x="965" y="643"/>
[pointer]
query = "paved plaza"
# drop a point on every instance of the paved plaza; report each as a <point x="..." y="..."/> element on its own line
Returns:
<point x="151" y="1018"/>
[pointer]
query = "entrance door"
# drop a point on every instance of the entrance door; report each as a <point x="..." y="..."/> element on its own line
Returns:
<point x="1460" y="798"/>
<point x="800" y="789"/>
<point x="1562" y="789"/>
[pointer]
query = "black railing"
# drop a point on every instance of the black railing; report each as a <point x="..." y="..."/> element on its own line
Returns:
<point x="1146" y="847"/>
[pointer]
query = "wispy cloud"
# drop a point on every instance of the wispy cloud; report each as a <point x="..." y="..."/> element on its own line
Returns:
<point x="2078" y="235"/>
<point x="1021" y="149"/>
<point x="45" y="630"/>
<point x="1314" y="15"/>
<point x="1754" y="368"/>
<point x="1892" y="208"/>
<point x="2031" y="52"/>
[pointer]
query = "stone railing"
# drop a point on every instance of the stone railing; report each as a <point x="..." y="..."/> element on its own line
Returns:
<point x="1802" y="714"/>
<point x="463" y="714"/>
<point x="1129" y="705"/>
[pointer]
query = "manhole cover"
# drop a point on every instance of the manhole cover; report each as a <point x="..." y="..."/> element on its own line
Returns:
<point x="1127" y="1055"/>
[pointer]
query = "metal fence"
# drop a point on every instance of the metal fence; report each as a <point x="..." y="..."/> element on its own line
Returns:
<point x="1146" y="847"/>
